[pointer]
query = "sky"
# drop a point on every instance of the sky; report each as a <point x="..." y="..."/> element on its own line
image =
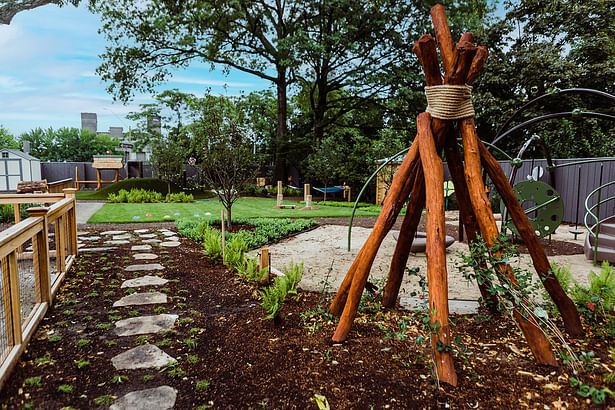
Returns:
<point x="48" y="59"/>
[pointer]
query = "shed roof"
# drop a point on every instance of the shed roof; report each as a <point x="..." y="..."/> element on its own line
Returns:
<point x="20" y="154"/>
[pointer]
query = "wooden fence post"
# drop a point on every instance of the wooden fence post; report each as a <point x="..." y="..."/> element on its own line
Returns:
<point x="263" y="262"/>
<point x="72" y="220"/>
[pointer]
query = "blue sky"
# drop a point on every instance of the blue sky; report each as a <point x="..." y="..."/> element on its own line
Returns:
<point x="47" y="73"/>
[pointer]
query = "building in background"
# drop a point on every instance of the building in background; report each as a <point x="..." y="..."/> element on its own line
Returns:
<point x="89" y="121"/>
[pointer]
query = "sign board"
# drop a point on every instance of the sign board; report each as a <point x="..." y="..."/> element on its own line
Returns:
<point x="125" y="145"/>
<point x="123" y="149"/>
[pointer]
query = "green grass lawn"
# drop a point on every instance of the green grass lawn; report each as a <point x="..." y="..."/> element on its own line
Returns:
<point x="150" y="184"/>
<point x="243" y="208"/>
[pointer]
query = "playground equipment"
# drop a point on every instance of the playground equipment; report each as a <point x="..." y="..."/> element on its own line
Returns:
<point x="101" y="163"/>
<point x="600" y="239"/>
<point x="422" y="173"/>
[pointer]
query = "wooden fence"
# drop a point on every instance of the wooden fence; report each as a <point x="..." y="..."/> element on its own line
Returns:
<point x="35" y="255"/>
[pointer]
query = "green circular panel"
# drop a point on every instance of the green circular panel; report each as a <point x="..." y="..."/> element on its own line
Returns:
<point x="542" y="204"/>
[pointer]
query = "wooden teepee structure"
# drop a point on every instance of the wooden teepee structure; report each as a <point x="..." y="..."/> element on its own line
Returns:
<point x="421" y="173"/>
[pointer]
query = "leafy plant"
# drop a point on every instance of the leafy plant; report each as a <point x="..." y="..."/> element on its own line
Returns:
<point x="202" y="385"/>
<point x="293" y="275"/>
<point x="143" y="339"/>
<point x="180" y="197"/>
<point x="117" y="379"/>
<point x="234" y="253"/>
<point x="55" y="338"/>
<point x="83" y="343"/>
<point x="33" y="381"/>
<point x="65" y="388"/>
<point x="105" y="400"/>
<point x="212" y="242"/>
<point x="147" y="378"/>
<point x="82" y="363"/>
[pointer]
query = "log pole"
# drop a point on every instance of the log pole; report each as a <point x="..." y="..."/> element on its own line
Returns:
<point x="436" y="251"/>
<point x="537" y="340"/>
<point x="565" y="305"/>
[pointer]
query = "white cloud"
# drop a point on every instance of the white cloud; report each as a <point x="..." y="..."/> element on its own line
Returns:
<point x="215" y="83"/>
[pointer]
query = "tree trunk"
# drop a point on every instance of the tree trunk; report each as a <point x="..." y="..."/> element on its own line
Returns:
<point x="279" y="171"/>
<point x="319" y="111"/>
<point x="229" y="223"/>
<point x="564" y="304"/>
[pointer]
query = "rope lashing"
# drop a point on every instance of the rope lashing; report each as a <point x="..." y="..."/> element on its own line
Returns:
<point x="449" y="102"/>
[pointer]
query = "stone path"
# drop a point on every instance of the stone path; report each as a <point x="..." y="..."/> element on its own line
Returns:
<point x="146" y="356"/>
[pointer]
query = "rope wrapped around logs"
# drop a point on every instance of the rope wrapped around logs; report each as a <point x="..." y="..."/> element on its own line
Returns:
<point x="449" y="102"/>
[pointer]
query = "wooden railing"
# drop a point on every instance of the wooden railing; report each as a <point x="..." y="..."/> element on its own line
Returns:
<point x="29" y="280"/>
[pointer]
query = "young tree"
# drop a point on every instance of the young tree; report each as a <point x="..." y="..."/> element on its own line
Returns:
<point x="324" y="163"/>
<point x="168" y="160"/>
<point x="68" y="144"/>
<point x="228" y="162"/>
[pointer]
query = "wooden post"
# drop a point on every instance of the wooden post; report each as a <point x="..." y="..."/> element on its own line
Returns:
<point x="223" y="236"/>
<point x="263" y="262"/>
<point x="9" y="265"/>
<point x="308" y="201"/>
<point x="280" y="197"/>
<point x="40" y="247"/>
<point x="72" y="219"/>
<point x="60" y="234"/>
<point x="98" y="179"/>
<point x="537" y="341"/>
<point x="306" y="193"/>
<point x="436" y="250"/>
<point x="564" y="304"/>
<point x="77" y="178"/>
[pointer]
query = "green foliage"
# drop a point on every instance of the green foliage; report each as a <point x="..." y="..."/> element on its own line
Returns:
<point x="202" y="386"/>
<point x="250" y="270"/>
<point x="150" y="184"/>
<point x="135" y="195"/>
<point x="273" y="297"/>
<point x="65" y="388"/>
<point x="33" y="381"/>
<point x="235" y="253"/>
<point x="82" y="363"/>
<point x="212" y="242"/>
<point x="105" y="400"/>
<point x="293" y="275"/>
<point x="68" y="144"/>
<point x="180" y="197"/>
<point x="7" y="140"/>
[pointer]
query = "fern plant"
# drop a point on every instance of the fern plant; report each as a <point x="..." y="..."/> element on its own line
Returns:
<point x="273" y="301"/>
<point x="251" y="272"/>
<point x="293" y="275"/>
<point x="212" y="242"/>
<point x="601" y="289"/>
<point x="234" y="255"/>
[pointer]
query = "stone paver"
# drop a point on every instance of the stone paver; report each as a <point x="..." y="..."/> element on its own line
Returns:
<point x="151" y="241"/>
<point x="142" y="357"/>
<point x="141" y="248"/>
<point x="147" y="298"/>
<point x="461" y="307"/>
<point x="167" y="233"/>
<point x="171" y="244"/>
<point x="88" y="238"/>
<point x="148" y="235"/>
<point x="100" y="249"/>
<point x="143" y="325"/>
<point x="118" y="242"/>
<point x="159" y="398"/>
<point x="145" y="256"/>
<point x="113" y="232"/>
<point x="143" y="281"/>
<point x="120" y="237"/>
<point x="148" y="266"/>
<point x="141" y="230"/>
<point x="172" y="238"/>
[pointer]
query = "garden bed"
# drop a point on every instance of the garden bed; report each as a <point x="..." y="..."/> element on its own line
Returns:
<point x="250" y="362"/>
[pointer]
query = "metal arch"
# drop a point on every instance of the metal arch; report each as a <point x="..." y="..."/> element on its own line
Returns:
<point x="587" y="91"/>
<point x="553" y="116"/>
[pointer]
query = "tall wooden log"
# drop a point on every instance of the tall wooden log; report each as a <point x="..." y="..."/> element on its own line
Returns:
<point x="565" y="305"/>
<point x="445" y="41"/>
<point x="416" y="203"/>
<point x="537" y="340"/>
<point x="466" y="213"/>
<point x="436" y="250"/>
<point x="396" y="197"/>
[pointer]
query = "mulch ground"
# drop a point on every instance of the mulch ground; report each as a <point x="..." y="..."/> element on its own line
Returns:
<point x="251" y="362"/>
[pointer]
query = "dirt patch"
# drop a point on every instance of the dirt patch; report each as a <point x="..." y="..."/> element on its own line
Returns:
<point x="250" y="362"/>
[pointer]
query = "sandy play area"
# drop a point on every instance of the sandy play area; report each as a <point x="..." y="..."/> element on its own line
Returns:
<point x="324" y="254"/>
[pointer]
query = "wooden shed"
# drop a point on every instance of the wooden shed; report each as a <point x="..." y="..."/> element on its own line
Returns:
<point x="17" y="166"/>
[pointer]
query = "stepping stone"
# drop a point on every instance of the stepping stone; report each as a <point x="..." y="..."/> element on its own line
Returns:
<point x="148" y="235"/>
<point x="171" y="244"/>
<point x="100" y="249"/>
<point x="167" y="233"/>
<point x="88" y="238"/>
<point x="145" y="324"/>
<point x="145" y="256"/>
<point x="141" y="230"/>
<point x="141" y="248"/>
<point x="120" y="237"/>
<point x="143" y="281"/>
<point x="113" y="232"/>
<point x="149" y="266"/>
<point x="147" y="298"/>
<point x="83" y="233"/>
<point x="117" y="242"/>
<point x="151" y="241"/>
<point x="461" y="307"/>
<point x="142" y="357"/>
<point x="172" y="238"/>
<point x="159" y="398"/>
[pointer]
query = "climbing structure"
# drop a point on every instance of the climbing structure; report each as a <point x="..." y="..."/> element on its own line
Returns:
<point x="421" y="174"/>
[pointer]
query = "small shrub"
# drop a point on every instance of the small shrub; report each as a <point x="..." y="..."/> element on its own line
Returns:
<point x="33" y="381"/>
<point x="234" y="256"/>
<point x="212" y="242"/>
<point x="105" y="400"/>
<point x="293" y="274"/>
<point x="180" y="197"/>
<point x="250" y="271"/>
<point x="135" y="195"/>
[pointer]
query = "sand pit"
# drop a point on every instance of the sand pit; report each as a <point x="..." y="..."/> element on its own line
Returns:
<point x="324" y="254"/>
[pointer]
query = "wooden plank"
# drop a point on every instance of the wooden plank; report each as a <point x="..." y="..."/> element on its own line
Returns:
<point x="9" y="363"/>
<point x="6" y="295"/>
<point x="14" y="291"/>
<point x="40" y="246"/>
<point x="30" y="198"/>
<point x="16" y="235"/>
